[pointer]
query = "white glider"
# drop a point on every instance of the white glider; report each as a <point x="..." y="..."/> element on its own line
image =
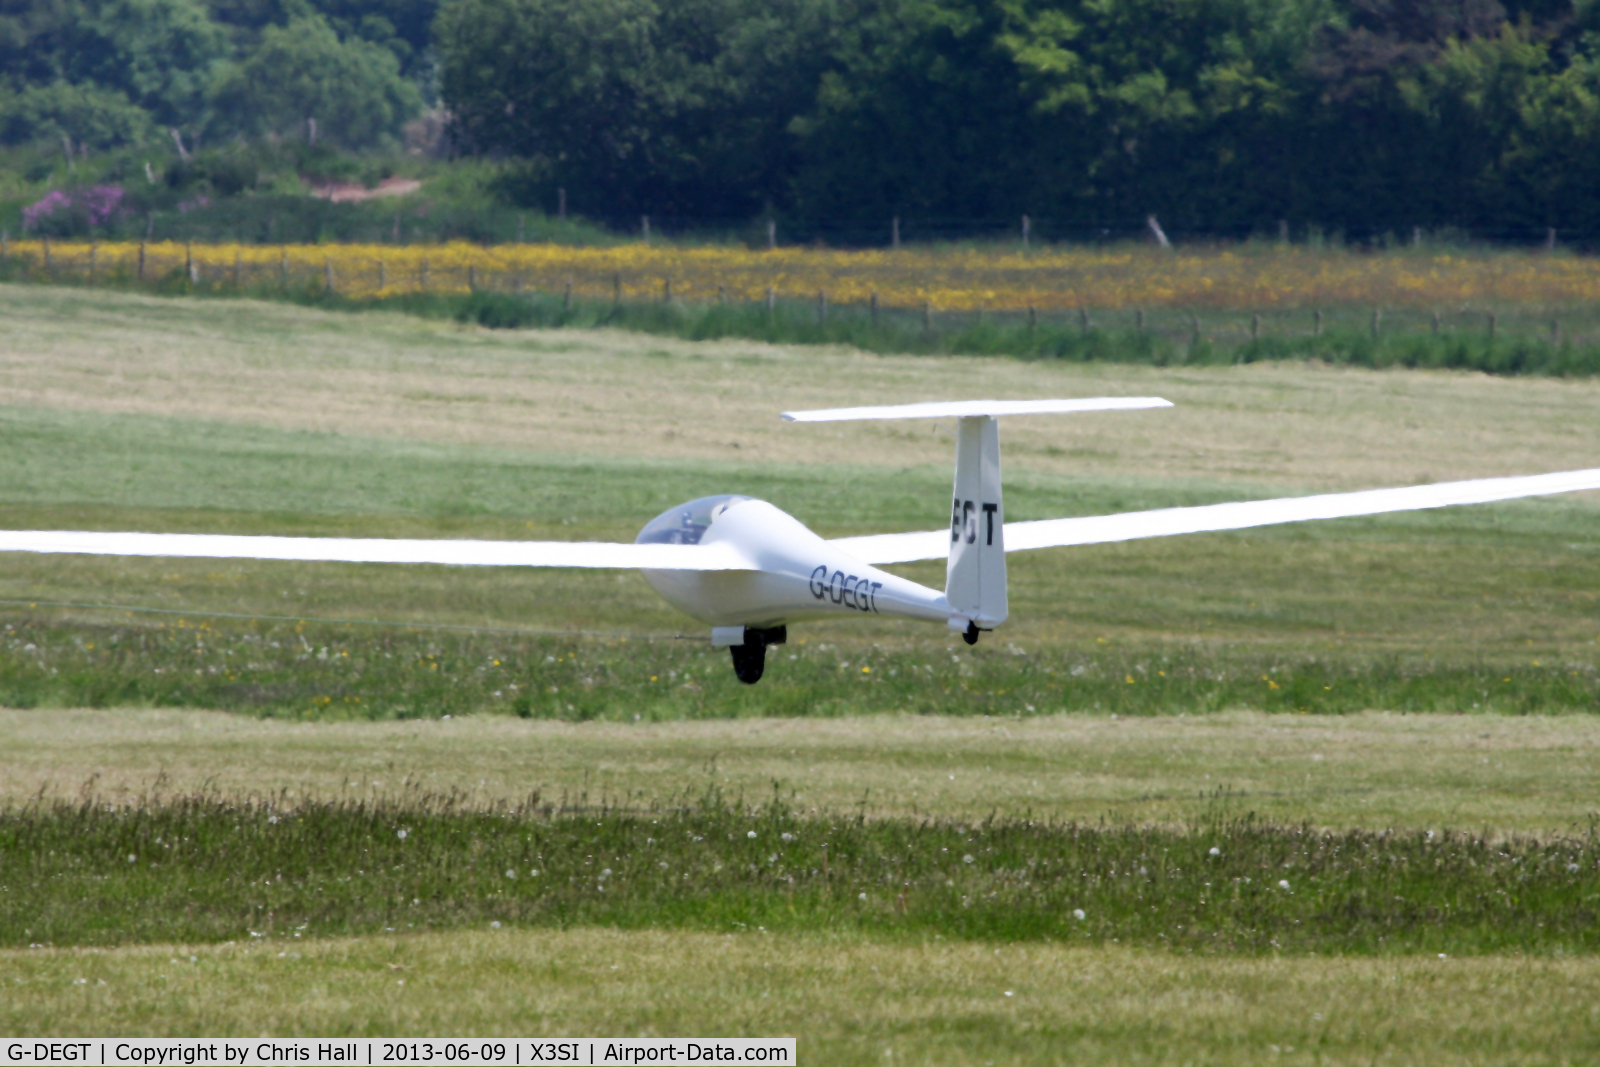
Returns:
<point x="747" y="569"/>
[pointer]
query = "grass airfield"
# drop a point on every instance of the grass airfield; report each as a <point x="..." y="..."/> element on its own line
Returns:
<point x="125" y="412"/>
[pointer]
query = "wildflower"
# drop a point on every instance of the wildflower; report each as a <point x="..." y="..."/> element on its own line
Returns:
<point x="751" y="835"/>
<point x="1215" y="851"/>
<point x="1283" y="883"/>
<point x="402" y="834"/>
<point x="968" y="858"/>
<point x="1077" y="913"/>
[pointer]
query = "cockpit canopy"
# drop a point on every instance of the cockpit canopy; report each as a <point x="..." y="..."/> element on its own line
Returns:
<point x="687" y="523"/>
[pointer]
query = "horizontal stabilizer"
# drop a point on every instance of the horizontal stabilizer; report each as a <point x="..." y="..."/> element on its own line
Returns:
<point x="1212" y="518"/>
<point x="712" y="557"/>
<point x="970" y="408"/>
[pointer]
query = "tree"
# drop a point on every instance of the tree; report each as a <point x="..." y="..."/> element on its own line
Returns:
<point x="87" y="114"/>
<point x="677" y="107"/>
<point x="158" y="54"/>
<point x="302" y="72"/>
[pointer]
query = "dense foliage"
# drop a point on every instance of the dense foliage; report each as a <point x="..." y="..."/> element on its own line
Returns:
<point x="1218" y="115"/>
<point x="957" y="117"/>
<point x="99" y="74"/>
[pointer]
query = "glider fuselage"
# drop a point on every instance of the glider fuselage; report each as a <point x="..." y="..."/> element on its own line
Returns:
<point x="795" y="575"/>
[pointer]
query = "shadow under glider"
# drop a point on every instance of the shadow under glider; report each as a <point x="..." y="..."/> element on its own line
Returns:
<point x="748" y="569"/>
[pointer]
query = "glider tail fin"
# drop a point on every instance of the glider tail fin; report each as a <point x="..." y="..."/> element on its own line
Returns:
<point x="975" y="579"/>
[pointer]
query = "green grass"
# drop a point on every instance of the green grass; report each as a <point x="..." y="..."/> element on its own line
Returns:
<point x="194" y="869"/>
<point x="850" y="1001"/>
<point x="299" y="671"/>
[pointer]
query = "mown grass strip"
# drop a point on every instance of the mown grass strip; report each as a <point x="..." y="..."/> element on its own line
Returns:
<point x="199" y="868"/>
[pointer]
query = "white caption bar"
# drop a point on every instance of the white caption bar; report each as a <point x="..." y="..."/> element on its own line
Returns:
<point x="369" y="1052"/>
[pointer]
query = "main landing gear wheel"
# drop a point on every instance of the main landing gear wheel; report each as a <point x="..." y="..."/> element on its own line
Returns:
<point x="750" y="658"/>
<point x="970" y="634"/>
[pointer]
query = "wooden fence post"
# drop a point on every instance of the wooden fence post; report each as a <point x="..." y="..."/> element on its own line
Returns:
<point x="188" y="262"/>
<point x="894" y="233"/>
<point x="644" y="227"/>
<point x="395" y="234"/>
<point x="1157" y="231"/>
<point x="927" y="315"/>
<point x="5" y="247"/>
<point x="722" y="294"/>
<point x="1555" y="331"/>
<point x="1194" y="329"/>
<point x="772" y="302"/>
<point x="561" y="203"/>
<point x="236" y="270"/>
<point x="1283" y="231"/>
<point x="822" y="307"/>
<point x="283" y="268"/>
<point x="874" y="307"/>
<point x="1255" y="327"/>
<point x="566" y="297"/>
<point x="1027" y="227"/>
<point x="522" y="231"/>
<point x="1138" y="322"/>
<point x="1033" y="318"/>
<point x="1436" y="323"/>
<point x="666" y="290"/>
<point x="1316" y="324"/>
<point x="327" y="274"/>
<point x="1083" y="320"/>
<point x="772" y="234"/>
<point x="383" y="275"/>
<point x="472" y="277"/>
<point x="139" y="271"/>
<point x="1550" y="239"/>
<point x="47" y="264"/>
<point x="1377" y="319"/>
<point x="1494" y="320"/>
<point x="1416" y="237"/>
<point x="94" y="260"/>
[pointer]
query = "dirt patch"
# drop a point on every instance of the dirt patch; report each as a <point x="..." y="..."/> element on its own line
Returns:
<point x="354" y="192"/>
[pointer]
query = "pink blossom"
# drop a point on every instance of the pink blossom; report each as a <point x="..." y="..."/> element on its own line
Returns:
<point x="98" y="205"/>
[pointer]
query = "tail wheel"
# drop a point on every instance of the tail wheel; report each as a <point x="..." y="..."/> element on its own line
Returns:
<point x="750" y="658"/>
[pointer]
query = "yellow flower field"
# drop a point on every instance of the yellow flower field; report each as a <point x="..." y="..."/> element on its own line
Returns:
<point x="1130" y="276"/>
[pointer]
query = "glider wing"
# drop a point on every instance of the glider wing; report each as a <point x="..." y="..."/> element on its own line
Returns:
<point x="712" y="557"/>
<point x="1133" y="525"/>
<point x="956" y="409"/>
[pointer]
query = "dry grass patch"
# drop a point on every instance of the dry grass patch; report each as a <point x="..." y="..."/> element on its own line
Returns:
<point x="849" y="1001"/>
<point x="608" y="393"/>
<point x="1534" y="774"/>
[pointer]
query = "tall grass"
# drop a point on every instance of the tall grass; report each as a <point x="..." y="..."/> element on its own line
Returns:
<point x="199" y="868"/>
<point x="1530" y="341"/>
